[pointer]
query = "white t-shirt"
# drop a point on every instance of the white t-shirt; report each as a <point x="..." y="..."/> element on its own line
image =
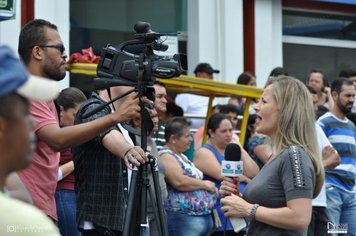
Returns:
<point x="323" y="142"/>
<point x="193" y="104"/>
<point x="19" y="218"/>
<point x="128" y="139"/>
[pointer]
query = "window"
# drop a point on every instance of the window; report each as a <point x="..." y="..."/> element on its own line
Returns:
<point x="316" y="39"/>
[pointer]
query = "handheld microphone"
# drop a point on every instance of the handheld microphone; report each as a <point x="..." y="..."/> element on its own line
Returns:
<point x="232" y="166"/>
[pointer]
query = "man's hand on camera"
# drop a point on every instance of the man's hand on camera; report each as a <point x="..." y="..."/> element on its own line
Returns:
<point x="129" y="108"/>
<point x="147" y="103"/>
<point x="135" y="156"/>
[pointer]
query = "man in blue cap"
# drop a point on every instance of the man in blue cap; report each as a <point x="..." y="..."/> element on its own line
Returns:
<point x="17" y="142"/>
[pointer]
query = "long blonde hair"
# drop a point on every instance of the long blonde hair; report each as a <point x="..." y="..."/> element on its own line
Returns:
<point x="296" y="123"/>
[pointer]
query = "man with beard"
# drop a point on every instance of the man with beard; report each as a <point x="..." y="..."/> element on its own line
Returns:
<point x="340" y="181"/>
<point x="42" y="51"/>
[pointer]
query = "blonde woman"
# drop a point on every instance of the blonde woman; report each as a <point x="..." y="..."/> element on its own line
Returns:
<point x="278" y="199"/>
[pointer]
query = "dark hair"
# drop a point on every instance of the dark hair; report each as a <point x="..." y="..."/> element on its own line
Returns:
<point x="311" y="89"/>
<point x="156" y="82"/>
<point x="244" y="78"/>
<point x="325" y="81"/>
<point x="347" y="73"/>
<point x="352" y="116"/>
<point x="172" y="108"/>
<point x="250" y="128"/>
<point x="338" y="83"/>
<point x="317" y="70"/>
<point x="217" y="106"/>
<point x="175" y="126"/>
<point x="215" y="121"/>
<point x="33" y="34"/>
<point x="69" y="97"/>
<point x="8" y="102"/>
<point x="278" y="71"/>
<point x="227" y="108"/>
<point x="321" y="111"/>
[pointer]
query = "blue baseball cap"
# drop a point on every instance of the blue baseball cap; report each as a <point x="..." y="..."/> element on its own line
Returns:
<point x="14" y="77"/>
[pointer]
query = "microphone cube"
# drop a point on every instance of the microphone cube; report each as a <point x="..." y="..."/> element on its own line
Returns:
<point x="228" y="168"/>
<point x="239" y="170"/>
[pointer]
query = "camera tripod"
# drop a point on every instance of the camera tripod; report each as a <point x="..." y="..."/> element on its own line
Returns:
<point x="136" y="213"/>
<point x="120" y="68"/>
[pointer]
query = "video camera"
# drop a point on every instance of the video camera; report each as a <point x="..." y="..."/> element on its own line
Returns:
<point x="134" y="61"/>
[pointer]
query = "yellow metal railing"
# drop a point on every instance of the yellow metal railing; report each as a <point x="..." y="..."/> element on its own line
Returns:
<point x="198" y="86"/>
<point x="83" y="68"/>
<point x="212" y="89"/>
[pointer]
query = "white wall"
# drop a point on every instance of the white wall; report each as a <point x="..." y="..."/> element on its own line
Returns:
<point x="268" y="38"/>
<point x="215" y="35"/>
<point x="10" y="29"/>
<point x="57" y="12"/>
<point x="231" y="40"/>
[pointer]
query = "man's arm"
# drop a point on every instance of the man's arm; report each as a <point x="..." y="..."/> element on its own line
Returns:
<point x="115" y="142"/>
<point x="331" y="158"/>
<point x="65" y="170"/>
<point x="61" y="138"/>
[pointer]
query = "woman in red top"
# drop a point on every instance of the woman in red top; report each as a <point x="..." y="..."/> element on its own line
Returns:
<point x="67" y="104"/>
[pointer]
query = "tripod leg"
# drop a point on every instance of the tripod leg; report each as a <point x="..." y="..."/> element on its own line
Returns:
<point x="131" y="224"/>
<point x="143" y="199"/>
<point x="162" y="220"/>
<point x="155" y="212"/>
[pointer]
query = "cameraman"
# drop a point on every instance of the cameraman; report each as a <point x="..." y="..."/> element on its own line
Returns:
<point x="102" y="179"/>
<point x="42" y="50"/>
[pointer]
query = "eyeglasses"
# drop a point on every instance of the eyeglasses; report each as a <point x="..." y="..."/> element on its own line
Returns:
<point x="60" y="47"/>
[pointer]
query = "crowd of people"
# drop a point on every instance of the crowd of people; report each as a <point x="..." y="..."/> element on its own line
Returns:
<point x="73" y="162"/>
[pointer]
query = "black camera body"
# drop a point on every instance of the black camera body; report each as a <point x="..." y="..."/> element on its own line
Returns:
<point x="134" y="61"/>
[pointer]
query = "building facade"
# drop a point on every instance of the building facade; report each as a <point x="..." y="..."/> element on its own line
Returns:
<point x="232" y="35"/>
